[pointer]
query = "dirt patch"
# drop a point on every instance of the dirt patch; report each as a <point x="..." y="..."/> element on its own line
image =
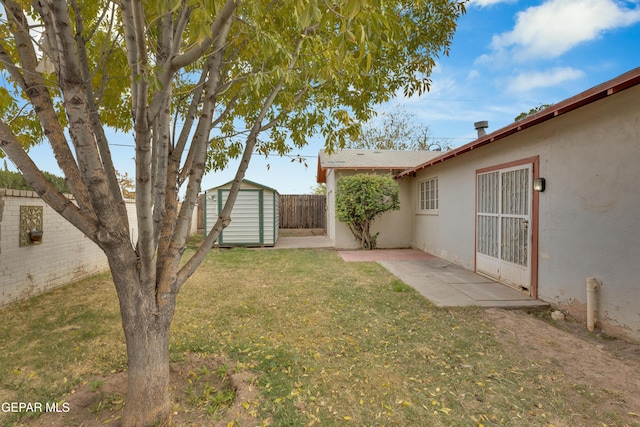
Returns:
<point x="601" y="365"/>
<point x="206" y="392"/>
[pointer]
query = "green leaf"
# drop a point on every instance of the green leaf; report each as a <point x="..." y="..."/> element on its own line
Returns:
<point x="352" y="8"/>
<point x="361" y="198"/>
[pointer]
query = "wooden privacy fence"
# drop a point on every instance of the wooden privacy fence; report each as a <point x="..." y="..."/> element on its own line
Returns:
<point x="302" y="211"/>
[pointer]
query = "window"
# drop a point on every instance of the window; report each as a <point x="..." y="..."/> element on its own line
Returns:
<point x="428" y="195"/>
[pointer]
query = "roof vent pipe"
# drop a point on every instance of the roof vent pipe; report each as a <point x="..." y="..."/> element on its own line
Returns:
<point x="480" y="127"/>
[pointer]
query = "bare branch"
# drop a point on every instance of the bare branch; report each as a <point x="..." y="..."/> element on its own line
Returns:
<point x="179" y="28"/>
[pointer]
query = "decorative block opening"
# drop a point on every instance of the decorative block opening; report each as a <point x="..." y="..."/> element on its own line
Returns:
<point x="31" y="221"/>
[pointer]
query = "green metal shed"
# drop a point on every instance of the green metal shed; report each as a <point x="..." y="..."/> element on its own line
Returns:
<point x="254" y="217"/>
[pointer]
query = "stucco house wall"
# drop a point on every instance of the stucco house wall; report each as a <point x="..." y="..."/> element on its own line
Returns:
<point x="330" y="192"/>
<point x="588" y="221"/>
<point x="449" y="232"/>
<point x="395" y="226"/>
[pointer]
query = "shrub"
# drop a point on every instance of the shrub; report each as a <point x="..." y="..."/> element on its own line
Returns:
<point x="360" y="199"/>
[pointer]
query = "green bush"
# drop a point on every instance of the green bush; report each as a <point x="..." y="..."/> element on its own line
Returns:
<point x="362" y="197"/>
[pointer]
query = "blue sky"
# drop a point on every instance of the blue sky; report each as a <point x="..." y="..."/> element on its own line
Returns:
<point x="508" y="56"/>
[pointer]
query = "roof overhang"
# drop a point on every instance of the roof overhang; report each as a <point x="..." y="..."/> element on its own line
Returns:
<point x="255" y="184"/>
<point x="321" y="176"/>
<point x="611" y="87"/>
<point x="371" y="160"/>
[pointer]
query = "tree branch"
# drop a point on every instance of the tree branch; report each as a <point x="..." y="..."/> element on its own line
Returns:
<point x="217" y="30"/>
<point x="87" y="224"/>
<point x="135" y="31"/>
<point x="225" y="215"/>
<point x="34" y="86"/>
<point x="186" y="129"/>
<point x="173" y="64"/>
<point x="96" y="123"/>
<point x="58" y="28"/>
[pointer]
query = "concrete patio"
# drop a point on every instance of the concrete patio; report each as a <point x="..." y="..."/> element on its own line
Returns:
<point x="443" y="283"/>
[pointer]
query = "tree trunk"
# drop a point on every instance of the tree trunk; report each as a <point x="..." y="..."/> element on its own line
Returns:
<point x="148" y="401"/>
<point x="146" y="323"/>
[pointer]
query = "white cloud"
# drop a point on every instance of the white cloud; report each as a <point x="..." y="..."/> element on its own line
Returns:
<point x="485" y="3"/>
<point x="556" y="26"/>
<point x="473" y="74"/>
<point x="534" y="80"/>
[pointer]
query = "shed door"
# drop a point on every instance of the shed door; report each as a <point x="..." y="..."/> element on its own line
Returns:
<point x="503" y="239"/>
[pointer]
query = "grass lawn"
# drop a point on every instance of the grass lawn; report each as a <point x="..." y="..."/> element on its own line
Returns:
<point x="330" y="343"/>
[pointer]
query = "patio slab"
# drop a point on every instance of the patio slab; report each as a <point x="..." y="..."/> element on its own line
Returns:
<point x="443" y="283"/>
<point x="385" y="255"/>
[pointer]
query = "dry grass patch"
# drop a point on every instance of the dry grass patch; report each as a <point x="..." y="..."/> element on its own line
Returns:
<point x="327" y="343"/>
<point x="53" y="343"/>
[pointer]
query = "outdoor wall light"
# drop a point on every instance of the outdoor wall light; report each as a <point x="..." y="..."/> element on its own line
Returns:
<point x="539" y="184"/>
<point x="36" y="236"/>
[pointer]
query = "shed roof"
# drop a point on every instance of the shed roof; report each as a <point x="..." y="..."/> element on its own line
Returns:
<point x="371" y="159"/>
<point x="264" y="187"/>
<point x="596" y="93"/>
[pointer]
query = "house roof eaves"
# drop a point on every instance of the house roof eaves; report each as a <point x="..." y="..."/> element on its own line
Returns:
<point x="363" y="159"/>
<point x="618" y="84"/>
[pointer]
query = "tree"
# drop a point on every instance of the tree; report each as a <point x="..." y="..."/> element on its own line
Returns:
<point x="360" y="199"/>
<point x="319" y="189"/>
<point x="16" y="181"/>
<point x="127" y="185"/>
<point x="194" y="83"/>
<point x="531" y="112"/>
<point x="397" y="131"/>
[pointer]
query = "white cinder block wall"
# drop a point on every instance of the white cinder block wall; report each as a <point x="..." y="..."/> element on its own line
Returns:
<point x="64" y="256"/>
